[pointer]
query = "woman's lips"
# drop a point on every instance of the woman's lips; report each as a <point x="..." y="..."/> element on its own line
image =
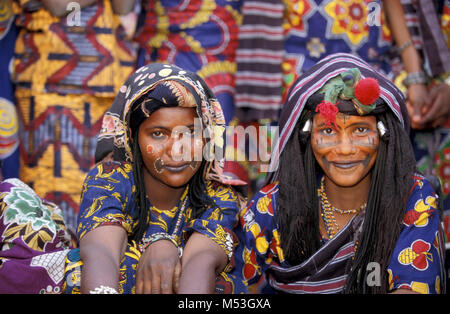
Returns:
<point x="346" y="165"/>
<point x="176" y="168"/>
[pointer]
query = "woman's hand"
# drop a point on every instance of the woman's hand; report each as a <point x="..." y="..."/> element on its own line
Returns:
<point x="428" y="109"/>
<point x="416" y="104"/>
<point x="159" y="269"/>
<point x="438" y="111"/>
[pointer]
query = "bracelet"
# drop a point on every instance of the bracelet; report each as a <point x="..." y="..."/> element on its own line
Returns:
<point x="415" y="78"/>
<point x="103" y="290"/>
<point x="146" y="241"/>
<point x="404" y="46"/>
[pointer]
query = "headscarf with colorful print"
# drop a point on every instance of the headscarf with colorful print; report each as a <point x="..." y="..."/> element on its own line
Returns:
<point x="169" y="79"/>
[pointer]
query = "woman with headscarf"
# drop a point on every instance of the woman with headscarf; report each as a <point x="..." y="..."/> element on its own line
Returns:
<point x="163" y="193"/>
<point x="345" y="212"/>
<point x="161" y="208"/>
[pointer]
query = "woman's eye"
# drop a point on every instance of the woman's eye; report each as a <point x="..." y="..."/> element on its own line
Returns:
<point x="192" y="132"/>
<point x="361" y="130"/>
<point x="157" y="134"/>
<point x="328" y="131"/>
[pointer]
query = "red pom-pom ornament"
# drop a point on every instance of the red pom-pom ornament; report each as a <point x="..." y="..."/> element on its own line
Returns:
<point x="367" y="91"/>
<point x="328" y="111"/>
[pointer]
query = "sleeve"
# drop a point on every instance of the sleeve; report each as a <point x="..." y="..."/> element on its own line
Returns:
<point x="160" y="221"/>
<point x="259" y="240"/>
<point x="106" y="198"/>
<point x="218" y="222"/>
<point x="416" y="262"/>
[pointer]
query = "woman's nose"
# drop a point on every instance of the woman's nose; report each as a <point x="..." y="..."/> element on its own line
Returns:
<point x="178" y="147"/>
<point x="346" y="146"/>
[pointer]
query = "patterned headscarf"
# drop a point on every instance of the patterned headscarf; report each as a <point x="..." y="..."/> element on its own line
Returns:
<point x="317" y="77"/>
<point x="154" y="86"/>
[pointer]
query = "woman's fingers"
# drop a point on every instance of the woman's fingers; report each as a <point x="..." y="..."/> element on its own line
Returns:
<point x="176" y="277"/>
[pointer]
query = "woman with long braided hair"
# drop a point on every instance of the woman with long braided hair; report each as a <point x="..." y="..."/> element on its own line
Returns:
<point x="346" y="211"/>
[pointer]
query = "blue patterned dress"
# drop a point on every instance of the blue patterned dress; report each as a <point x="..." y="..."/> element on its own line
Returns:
<point x="109" y="199"/>
<point x="416" y="261"/>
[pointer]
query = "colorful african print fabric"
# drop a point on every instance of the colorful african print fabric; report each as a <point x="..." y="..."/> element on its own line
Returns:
<point x="34" y="241"/>
<point x="311" y="30"/>
<point x="68" y="55"/>
<point x="109" y="199"/>
<point x="315" y="29"/>
<point x="9" y="124"/>
<point x="197" y="35"/>
<point x="416" y="262"/>
<point x="67" y="73"/>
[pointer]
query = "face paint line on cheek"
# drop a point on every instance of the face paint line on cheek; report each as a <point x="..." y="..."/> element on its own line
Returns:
<point x="158" y="165"/>
<point x="322" y="144"/>
<point x="368" y="142"/>
<point x="325" y="162"/>
<point x="366" y="161"/>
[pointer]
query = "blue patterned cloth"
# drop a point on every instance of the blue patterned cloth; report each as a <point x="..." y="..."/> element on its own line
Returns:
<point x="109" y="199"/>
<point x="416" y="262"/>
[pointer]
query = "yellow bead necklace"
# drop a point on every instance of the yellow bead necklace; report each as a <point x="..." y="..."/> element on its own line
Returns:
<point x="327" y="211"/>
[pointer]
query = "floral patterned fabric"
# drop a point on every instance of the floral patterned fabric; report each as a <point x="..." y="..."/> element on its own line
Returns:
<point x="416" y="262"/>
<point x="34" y="241"/>
<point x="109" y="199"/>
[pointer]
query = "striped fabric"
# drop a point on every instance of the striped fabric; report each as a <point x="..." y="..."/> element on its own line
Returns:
<point x="426" y="34"/>
<point x="434" y="44"/>
<point x="316" y="77"/>
<point x="259" y="58"/>
<point x="413" y="22"/>
<point x="325" y="271"/>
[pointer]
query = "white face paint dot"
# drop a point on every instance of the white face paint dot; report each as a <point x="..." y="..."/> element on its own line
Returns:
<point x="123" y="89"/>
<point x="165" y="72"/>
<point x="137" y="78"/>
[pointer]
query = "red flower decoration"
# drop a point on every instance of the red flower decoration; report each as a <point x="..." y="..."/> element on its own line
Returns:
<point x="328" y="111"/>
<point x="367" y="91"/>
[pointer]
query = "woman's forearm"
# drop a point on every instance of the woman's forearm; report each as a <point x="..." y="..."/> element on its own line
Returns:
<point x="59" y="7"/>
<point x="198" y="274"/>
<point x="202" y="261"/>
<point x="101" y="251"/>
<point x="397" y="24"/>
<point x="99" y="269"/>
<point x="123" y="7"/>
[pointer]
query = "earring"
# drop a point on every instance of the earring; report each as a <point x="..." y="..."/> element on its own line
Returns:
<point x="307" y="127"/>
<point x="158" y="165"/>
<point x="384" y="135"/>
<point x="193" y="165"/>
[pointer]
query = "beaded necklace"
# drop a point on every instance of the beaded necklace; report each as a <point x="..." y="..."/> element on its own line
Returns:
<point x="327" y="211"/>
<point x="181" y="212"/>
